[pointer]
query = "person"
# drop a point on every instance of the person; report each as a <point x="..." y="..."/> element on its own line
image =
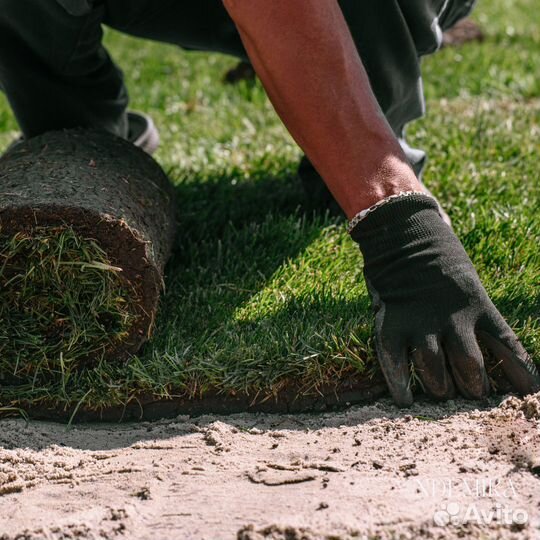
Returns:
<point x="345" y="78"/>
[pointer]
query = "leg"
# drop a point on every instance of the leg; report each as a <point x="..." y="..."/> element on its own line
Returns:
<point x="54" y="70"/>
<point x="202" y="25"/>
<point x="388" y="39"/>
<point x="56" y="73"/>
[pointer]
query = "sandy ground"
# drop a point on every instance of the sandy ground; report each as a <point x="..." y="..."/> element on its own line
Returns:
<point x="433" y="471"/>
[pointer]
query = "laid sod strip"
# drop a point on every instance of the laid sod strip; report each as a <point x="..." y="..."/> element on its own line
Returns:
<point x="62" y="305"/>
<point x="263" y="298"/>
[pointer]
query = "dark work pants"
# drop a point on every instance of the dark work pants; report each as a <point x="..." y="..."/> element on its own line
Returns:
<point x="56" y="73"/>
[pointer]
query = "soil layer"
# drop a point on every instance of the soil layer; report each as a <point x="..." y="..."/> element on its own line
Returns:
<point x="290" y="399"/>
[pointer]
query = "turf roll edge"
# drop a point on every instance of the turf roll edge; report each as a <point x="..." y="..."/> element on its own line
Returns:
<point x="87" y="223"/>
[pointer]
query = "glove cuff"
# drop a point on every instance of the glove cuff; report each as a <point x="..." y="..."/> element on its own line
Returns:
<point x="364" y="213"/>
<point x="400" y="221"/>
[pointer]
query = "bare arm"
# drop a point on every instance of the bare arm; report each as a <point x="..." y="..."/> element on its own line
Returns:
<point x="304" y="54"/>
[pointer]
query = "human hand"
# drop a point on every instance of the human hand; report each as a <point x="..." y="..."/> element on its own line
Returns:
<point x="430" y="306"/>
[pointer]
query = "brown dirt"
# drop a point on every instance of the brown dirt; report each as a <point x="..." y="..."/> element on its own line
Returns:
<point x="370" y="471"/>
<point x="291" y="398"/>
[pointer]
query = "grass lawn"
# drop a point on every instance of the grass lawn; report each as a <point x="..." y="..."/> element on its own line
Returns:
<point x="261" y="291"/>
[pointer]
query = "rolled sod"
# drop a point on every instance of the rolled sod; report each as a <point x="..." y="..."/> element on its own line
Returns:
<point x="86" y="228"/>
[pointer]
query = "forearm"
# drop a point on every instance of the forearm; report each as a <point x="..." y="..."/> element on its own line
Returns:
<point x="307" y="61"/>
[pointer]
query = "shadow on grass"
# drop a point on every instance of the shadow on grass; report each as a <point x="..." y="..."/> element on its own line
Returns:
<point x="232" y="238"/>
<point x="206" y="206"/>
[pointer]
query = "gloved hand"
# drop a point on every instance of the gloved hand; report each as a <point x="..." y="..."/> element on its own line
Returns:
<point x="430" y="306"/>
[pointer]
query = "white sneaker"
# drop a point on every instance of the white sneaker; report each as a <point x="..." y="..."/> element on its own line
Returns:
<point x="142" y="132"/>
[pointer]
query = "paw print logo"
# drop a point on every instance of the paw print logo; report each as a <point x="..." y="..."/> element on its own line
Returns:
<point x="449" y="513"/>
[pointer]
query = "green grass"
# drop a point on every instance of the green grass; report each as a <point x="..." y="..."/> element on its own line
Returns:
<point x="260" y="290"/>
<point x="62" y="305"/>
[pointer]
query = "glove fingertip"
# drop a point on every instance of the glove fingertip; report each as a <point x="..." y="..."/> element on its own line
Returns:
<point x="516" y="363"/>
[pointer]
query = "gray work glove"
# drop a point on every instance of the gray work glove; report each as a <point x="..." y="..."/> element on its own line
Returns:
<point x="430" y="306"/>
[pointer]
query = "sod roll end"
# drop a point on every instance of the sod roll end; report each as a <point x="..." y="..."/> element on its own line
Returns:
<point x="86" y="228"/>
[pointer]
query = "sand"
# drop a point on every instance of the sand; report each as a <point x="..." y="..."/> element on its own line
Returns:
<point x="433" y="471"/>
